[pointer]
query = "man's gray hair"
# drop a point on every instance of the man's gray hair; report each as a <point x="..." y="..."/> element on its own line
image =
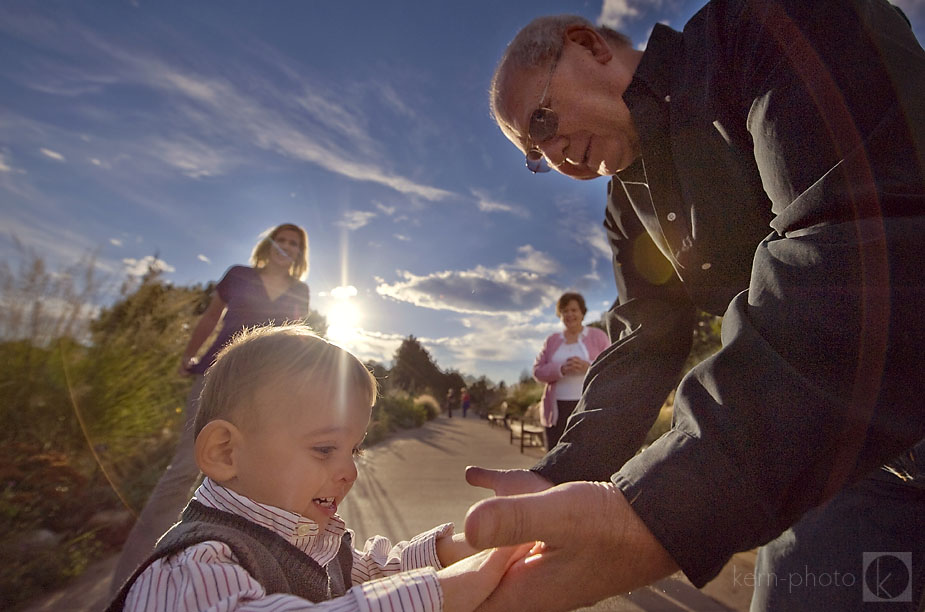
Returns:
<point x="538" y="43"/>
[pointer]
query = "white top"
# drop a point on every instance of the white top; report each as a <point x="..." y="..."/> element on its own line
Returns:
<point x="568" y="388"/>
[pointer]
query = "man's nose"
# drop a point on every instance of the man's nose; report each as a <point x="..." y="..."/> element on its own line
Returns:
<point x="555" y="150"/>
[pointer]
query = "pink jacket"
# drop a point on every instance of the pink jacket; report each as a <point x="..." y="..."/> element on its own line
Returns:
<point x="544" y="370"/>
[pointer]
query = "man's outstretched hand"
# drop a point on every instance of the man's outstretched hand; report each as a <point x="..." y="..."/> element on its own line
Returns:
<point x="590" y="545"/>
<point x="506" y="482"/>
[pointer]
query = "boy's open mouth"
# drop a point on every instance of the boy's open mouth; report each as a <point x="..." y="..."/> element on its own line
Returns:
<point x="328" y="504"/>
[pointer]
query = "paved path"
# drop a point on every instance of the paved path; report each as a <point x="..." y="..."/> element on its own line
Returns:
<point x="415" y="480"/>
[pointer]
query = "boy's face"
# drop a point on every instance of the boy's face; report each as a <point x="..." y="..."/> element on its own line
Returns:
<point x="298" y="451"/>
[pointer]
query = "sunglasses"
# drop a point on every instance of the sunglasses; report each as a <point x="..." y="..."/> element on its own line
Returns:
<point x="544" y="123"/>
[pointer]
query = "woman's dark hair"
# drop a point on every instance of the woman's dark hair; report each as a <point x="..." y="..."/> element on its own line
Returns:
<point x="567" y="297"/>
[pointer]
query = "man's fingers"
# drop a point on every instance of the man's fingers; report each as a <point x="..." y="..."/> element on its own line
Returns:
<point x="481" y="477"/>
<point x="507" y="482"/>
<point x="507" y="521"/>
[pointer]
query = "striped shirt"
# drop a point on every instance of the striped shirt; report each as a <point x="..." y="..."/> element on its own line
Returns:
<point x="207" y="577"/>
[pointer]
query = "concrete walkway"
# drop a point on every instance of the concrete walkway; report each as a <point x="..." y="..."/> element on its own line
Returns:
<point x="415" y="480"/>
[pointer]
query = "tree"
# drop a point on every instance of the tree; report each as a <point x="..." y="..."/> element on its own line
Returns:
<point x="414" y="370"/>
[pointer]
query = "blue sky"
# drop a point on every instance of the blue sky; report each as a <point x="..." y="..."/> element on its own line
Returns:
<point x="184" y="129"/>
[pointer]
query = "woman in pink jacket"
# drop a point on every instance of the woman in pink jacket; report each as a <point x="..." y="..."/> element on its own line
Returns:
<point x="562" y="364"/>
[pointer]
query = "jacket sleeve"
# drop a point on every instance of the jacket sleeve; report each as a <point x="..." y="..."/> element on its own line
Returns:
<point x="651" y="330"/>
<point x="544" y="370"/>
<point x="815" y="385"/>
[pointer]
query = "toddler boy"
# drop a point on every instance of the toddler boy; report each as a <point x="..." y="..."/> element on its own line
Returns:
<point x="281" y="418"/>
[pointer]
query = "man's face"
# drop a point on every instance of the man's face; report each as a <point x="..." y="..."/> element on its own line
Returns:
<point x="299" y="455"/>
<point x="595" y="136"/>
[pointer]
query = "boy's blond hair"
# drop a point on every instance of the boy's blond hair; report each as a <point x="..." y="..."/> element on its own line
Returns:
<point x="290" y="355"/>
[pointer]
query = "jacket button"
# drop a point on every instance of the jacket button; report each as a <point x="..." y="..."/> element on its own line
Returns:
<point x="706" y="266"/>
<point x="672" y="216"/>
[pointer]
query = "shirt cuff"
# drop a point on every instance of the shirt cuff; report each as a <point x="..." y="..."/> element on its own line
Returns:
<point x="422" y="548"/>
<point x="412" y="590"/>
<point x="687" y="494"/>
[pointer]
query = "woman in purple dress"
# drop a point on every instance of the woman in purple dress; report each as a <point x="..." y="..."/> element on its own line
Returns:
<point x="268" y="292"/>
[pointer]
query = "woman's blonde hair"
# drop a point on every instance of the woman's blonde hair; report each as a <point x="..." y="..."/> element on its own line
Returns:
<point x="290" y="355"/>
<point x="261" y="252"/>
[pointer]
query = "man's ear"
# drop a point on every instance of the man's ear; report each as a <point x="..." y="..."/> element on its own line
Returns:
<point x="590" y="40"/>
<point x="215" y="450"/>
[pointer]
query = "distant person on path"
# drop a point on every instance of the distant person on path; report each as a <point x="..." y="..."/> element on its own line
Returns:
<point x="466" y="400"/>
<point x="450" y="400"/>
<point x="282" y="416"/>
<point x="562" y="364"/>
<point x="767" y="164"/>
<point x="269" y="291"/>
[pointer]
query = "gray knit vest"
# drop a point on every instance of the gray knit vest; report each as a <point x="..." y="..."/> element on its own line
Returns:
<point x="276" y="564"/>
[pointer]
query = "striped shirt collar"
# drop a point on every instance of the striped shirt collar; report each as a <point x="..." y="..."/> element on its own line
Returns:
<point x="301" y="532"/>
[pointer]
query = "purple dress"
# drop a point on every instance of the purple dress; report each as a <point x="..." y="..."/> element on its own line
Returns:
<point x="248" y="305"/>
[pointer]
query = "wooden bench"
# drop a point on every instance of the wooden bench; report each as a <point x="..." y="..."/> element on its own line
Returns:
<point x="528" y="428"/>
<point x="499" y="419"/>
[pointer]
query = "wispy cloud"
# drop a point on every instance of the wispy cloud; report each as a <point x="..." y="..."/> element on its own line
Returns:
<point x="4" y="164"/>
<point x="115" y="242"/>
<point x="531" y="260"/>
<point x="52" y="154"/>
<point x="193" y="158"/>
<point x="480" y="290"/>
<point x="618" y="13"/>
<point x="139" y="267"/>
<point x="355" y="219"/>
<point x="487" y="204"/>
<point x="203" y="258"/>
<point x="385" y="210"/>
<point x="242" y="103"/>
<point x="343" y="292"/>
<point x="402" y="237"/>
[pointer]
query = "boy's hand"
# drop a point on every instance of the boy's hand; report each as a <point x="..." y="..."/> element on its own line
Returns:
<point x="453" y="548"/>
<point x="469" y="582"/>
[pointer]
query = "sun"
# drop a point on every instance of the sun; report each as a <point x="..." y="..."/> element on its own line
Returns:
<point x="344" y="318"/>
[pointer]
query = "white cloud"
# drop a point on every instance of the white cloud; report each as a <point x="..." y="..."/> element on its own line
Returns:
<point x="386" y="210"/>
<point x="52" y="154"/>
<point x="203" y="258"/>
<point x="323" y="126"/>
<point x="115" y="242"/>
<point x="139" y="267"/>
<point x="486" y="204"/>
<point x="615" y="13"/>
<point x="480" y="290"/>
<point x="402" y="237"/>
<point x="355" y="219"/>
<point x="343" y="292"/>
<point x="4" y="165"/>
<point x="276" y="129"/>
<point x="192" y="158"/>
<point x="535" y="261"/>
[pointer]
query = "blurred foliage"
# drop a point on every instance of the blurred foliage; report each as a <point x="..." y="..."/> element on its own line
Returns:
<point x="398" y="410"/>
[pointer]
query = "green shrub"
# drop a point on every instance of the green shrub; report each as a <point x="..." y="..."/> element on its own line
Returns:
<point x="402" y="411"/>
<point x="429" y="404"/>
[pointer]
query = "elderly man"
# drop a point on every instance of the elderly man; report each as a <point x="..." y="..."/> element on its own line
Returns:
<point x="767" y="165"/>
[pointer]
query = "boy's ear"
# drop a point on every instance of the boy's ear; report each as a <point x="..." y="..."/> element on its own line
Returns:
<point x="215" y="450"/>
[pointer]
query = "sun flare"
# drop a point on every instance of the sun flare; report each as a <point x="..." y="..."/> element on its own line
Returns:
<point x="344" y="317"/>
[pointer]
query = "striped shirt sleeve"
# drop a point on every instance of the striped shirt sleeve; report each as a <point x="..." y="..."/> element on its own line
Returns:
<point x="379" y="558"/>
<point x="206" y="578"/>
